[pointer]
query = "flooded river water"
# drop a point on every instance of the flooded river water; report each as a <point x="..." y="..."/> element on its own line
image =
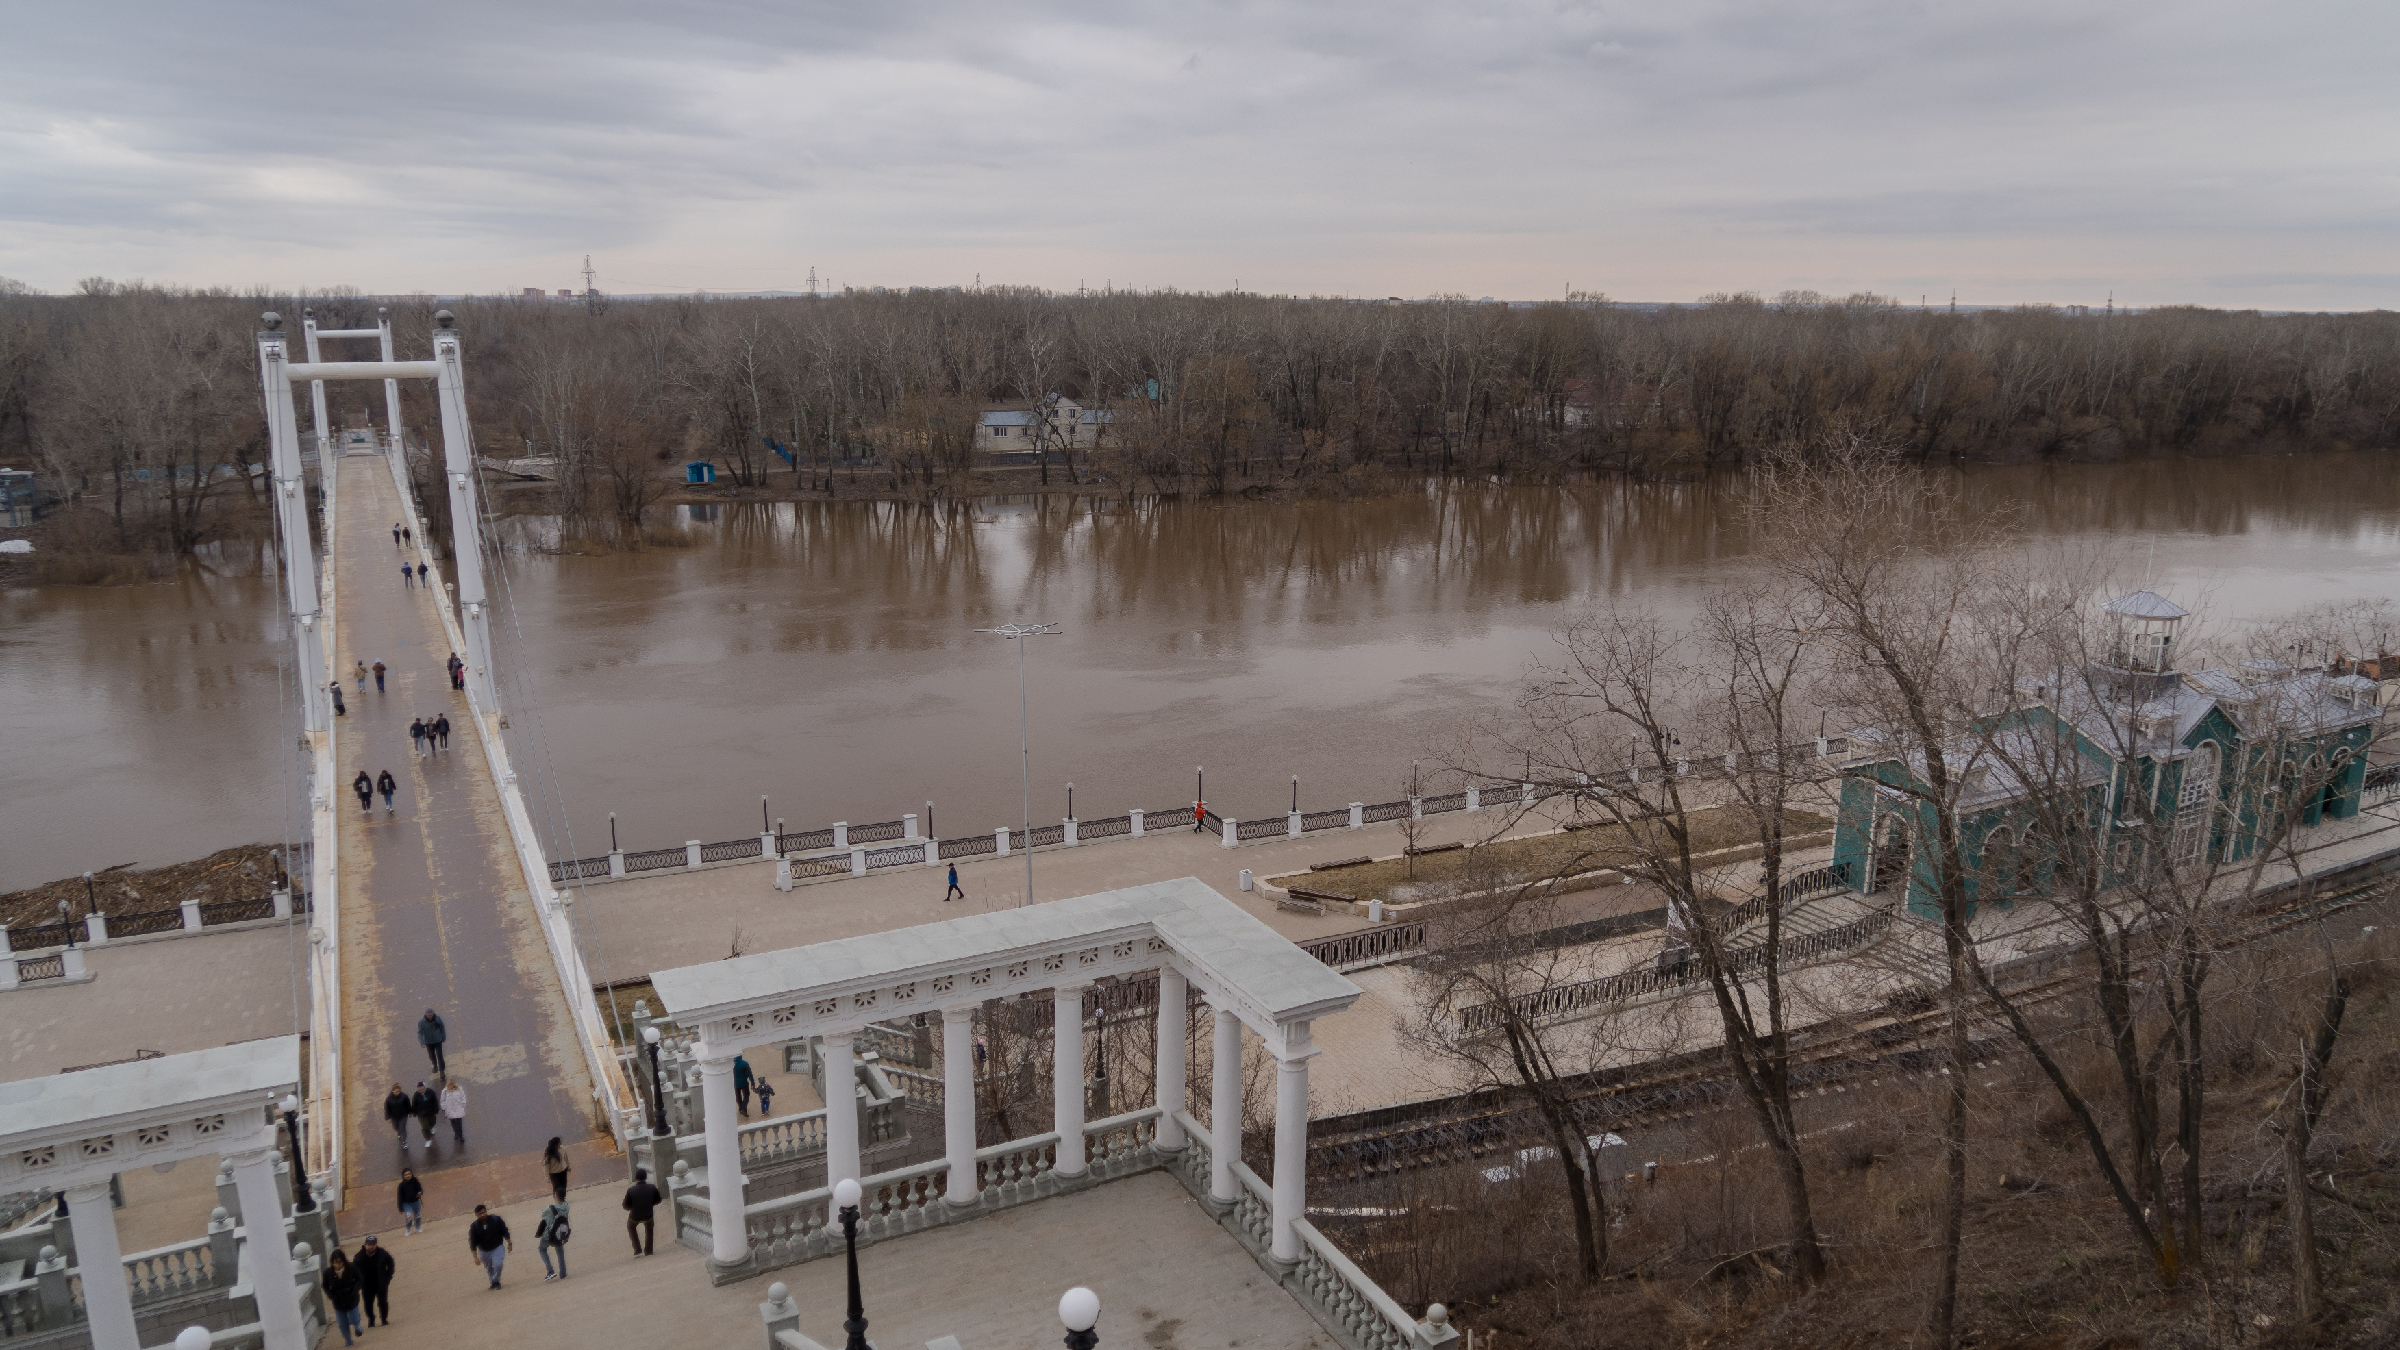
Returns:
<point x="824" y="654"/>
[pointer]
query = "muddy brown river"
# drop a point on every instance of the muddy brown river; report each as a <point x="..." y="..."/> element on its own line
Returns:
<point x="824" y="654"/>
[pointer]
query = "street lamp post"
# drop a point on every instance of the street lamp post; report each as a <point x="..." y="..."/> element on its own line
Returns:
<point x="1017" y="633"/>
<point x="1079" y="1313"/>
<point x="658" y="1098"/>
<point x="302" y="1201"/>
<point x="845" y="1197"/>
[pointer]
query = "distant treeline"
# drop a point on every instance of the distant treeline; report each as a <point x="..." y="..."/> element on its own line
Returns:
<point x="1201" y="392"/>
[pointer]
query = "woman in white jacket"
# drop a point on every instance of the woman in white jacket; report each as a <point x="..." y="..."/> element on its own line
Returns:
<point x="454" y="1105"/>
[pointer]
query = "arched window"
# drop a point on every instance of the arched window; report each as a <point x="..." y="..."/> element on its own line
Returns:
<point x="2025" y="875"/>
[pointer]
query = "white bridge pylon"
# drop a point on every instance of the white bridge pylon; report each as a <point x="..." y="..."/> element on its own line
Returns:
<point x="277" y="374"/>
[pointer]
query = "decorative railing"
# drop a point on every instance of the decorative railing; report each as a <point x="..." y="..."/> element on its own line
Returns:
<point x="1338" y="819"/>
<point x="2382" y="783"/>
<point x="1265" y="828"/>
<point x="970" y="846"/>
<point x="878" y="832"/>
<point x="1383" y="811"/>
<point x="1566" y="999"/>
<point x="579" y="869"/>
<point x="20" y="1306"/>
<point x="146" y="921"/>
<point x="648" y="860"/>
<point x="1376" y="946"/>
<point x="784" y="1139"/>
<point x="183" y="1268"/>
<point x="805" y="841"/>
<point x="916" y="1085"/>
<point x="237" y="911"/>
<point x="1815" y="881"/>
<point x="836" y="866"/>
<point x="1043" y="836"/>
<point x="34" y="936"/>
<point x="898" y="856"/>
<point x="1107" y="827"/>
<point x="51" y="967"/>
<point x="1445" y="803"/>
<point x="732" y="850"/>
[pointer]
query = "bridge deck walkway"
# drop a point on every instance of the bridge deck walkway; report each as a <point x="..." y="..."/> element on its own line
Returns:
<point x="435" y="912"/>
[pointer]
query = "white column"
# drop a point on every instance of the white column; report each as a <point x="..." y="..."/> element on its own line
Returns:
<point x="728" y="1227"/>
<point x="107" y="1302"/>
<point x="270" y="1254"/>
<point x="841" y="1114"/>
<point x="299" y="557"/>
<point x="1172" y="999"/>
<point x="1066" y="1076"/>
<point x="958" y="1100"/>
<point x="1291" y="1139"/>
<point x="391" y="391"/>
<point x="458" y="464"/>
<point x="316" y="397"/>
<point x="1225" y="1107"/>
<point x="1137" y="823"/>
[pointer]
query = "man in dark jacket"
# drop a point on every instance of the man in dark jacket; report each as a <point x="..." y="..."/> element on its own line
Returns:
<point x="365" y="788"/>
<point x="426" y="1106"/>
<point x="488" y="1242"/>
<point x="396" y="1111"/>
<point x="641" y="1202"/>
<point x="441" y="730"/>
<point x="742" y="1078"/>
<point x="387" y="785"/>
<point x="375" y="1268"/>
<point x="431" y="1032"/>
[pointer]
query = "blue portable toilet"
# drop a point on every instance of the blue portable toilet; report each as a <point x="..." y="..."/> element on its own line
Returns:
<point x="699" y="471"/>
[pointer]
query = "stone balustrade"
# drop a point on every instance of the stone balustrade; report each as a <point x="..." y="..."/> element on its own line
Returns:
<point x="162" y="1272"/>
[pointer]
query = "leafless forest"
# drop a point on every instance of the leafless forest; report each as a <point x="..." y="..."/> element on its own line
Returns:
<point x="137" y="400"/>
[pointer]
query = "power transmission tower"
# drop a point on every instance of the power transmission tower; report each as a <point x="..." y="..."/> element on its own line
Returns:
<point x="591" y="293"/>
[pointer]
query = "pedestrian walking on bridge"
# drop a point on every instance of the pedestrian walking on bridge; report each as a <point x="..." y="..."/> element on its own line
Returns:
<point x="387" y="785"/>
<point x="341" y="1290"/>
<point x="395" y="536"/>
<point x="431" y="1032"/>
<point x="421" y="577"/>
<point x="766" y="1100"/>
<point x="375" y="1268"/>
<point x="378" y="679"/>
<point x="407" y="535"/>
<point x="362" y="677"/>
<point x="454" y="1106"/>
<point x="427" y="1108"/>
<point x="412" y="1202"/>
<point x="550" y="1235"/>
<point x="488" y="1242"/>
<point x="396" y="1112"/>
<point x="365" y="788"/>
<point x="954" y="891"/>
<point x="742" y="1078"/>
<point x="641" y="1205"/>
<point x="408" y="576"/>
<point x="338" y="709"/>
<point x="416" y="737"/>
<point x="441" y="729"/>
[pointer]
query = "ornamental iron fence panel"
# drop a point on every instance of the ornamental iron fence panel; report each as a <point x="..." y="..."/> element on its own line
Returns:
<point x="730" y="850"/>
<point x="145" y="921"/>
<point x="969" y="846"/>
<point x="804" y="841"/>
<point x="1382" y="811"/>
<point x="1107" y="827"/>
<point x="900" y="856"/>
<point x="1325" y="820"/>
<point x="882" y="831"/>
<point x="578" y="869"/>
<point x="650" y="860"/>
<point x="238" y="911"/>
<point x="1041" y="836"/>
<point x="1448" y="801"/>
<point x="1269" y="828"/>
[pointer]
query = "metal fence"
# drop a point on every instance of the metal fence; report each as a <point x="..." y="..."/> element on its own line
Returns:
<point x="1571" y="998"/>
<point x="970" y="846"/>
<point x="1262" y="829"/>
<point x="1815" y="881"/>
<point x="1369" y="946"/>
<point x="899" y="856"/>
<point x="1107" y="827"/>
<point x="1311" y="821"/>
<point x="52" y="967"/>
<point x="650" y="860"/>
<point x="2382" y="783"/>
<point x="237" y="911"/>
<point x="1041" y="836"/>
<point x="1383" y="811"/>
<point x="145" y="921"/>
<point x="806" y="841"/>
<point x="732" y="850"/>
<point x="35" y="935"/>
<point x="881" y="831"/>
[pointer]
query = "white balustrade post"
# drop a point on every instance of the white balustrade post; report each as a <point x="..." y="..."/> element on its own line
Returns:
<point x="858" y="862"/>
<point x="1173" y="998"/>
<point x="958" y="1101"/>
<point x="283" y="904"/>
<point x="933" y="852"/>
<point x="270" y="1254"/>
<point x="766" y="844"/>
<point x="95" y="927"/>
<point x="1416" y="808"/>
<point x="1525" y="794"/>
<point x="841" y="1114"/>
<point x="8" y="961"/>
<point x="691" y="854"/>
<point x="783" y="874"/>
<point x="728" y="1193"/>
<point x="1000" y="841"/>
<point x="841" y="834"/>
<point x="191" y="916"/>
<point x="1069" y="823"/>
<point x="1291" y="824"/>
<point x="1474" y="799"/>
<point x="616" y="862"/>
<point x="1066" y="1076"/>
<point x="1231" y="838"/>
<point x="107" y="1301"/>
<point x="1358" y="815"/>
<point x="70" y="964"/>
<point x="1225" y="1107"/>
<point x="1291" y="1139"/>
<point x="908" y="826"/>
<point x="1137" y="823"/>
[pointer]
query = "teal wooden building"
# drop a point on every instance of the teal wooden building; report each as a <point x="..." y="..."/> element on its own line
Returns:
<point x="2132" y="756"/>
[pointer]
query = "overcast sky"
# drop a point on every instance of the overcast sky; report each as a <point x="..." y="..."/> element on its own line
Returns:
<point x="2221" y="154"/>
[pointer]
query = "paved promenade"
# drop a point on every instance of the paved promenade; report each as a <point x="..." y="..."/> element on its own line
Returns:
<point x="434" y="910"/>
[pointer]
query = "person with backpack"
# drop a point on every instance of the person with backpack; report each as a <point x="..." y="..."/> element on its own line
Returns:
<point x="427" y="1108"/>
<point x="550" y="1234"/>
<point x="641" y="1203"/>
<point x="396" y="1112"/>
<point x="375" y="1268"/>
<point x="412" y="1202"/>
<point x="554" y="1161"/>
<point x="431" y="1033"/>
<point x="489" y="1243"/>
<point x="387" y="785"/>
<point x="365" y="788"/>
<point x="341" y="1290"/>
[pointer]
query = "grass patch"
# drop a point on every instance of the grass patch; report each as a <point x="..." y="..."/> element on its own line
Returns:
<point x="1589" y="849"/>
